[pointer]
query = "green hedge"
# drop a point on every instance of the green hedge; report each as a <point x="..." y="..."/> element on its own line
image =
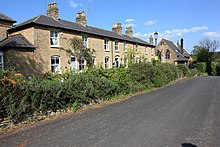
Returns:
<point x="201" y="66"/>
<point x="21" y="98"/>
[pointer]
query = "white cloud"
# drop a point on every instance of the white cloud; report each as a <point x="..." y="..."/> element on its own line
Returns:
<point x="130" y="20"/>
<point x="150" y="23"/>
<point x="180" y="32"/>
<point x="129" y="25"/>
<point x="74" y="4"/>
<point x="211" y="34"/>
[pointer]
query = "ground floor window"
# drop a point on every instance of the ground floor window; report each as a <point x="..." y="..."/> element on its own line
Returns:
<point x="82" y="64"/>
<point x="73" y="63"/>
<point x="125" y="61"/>
<point x="106" y="62"/>
<point x="94" y="61"/>
<point x="1" y="61"/>
<point x="117" y="62"/>
<point x="55" y="64"/>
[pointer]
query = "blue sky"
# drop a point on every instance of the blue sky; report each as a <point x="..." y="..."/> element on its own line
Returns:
<point x="191" y="20"/>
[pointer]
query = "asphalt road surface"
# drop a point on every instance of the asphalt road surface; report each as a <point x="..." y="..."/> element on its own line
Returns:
<point x="186" y="114"/>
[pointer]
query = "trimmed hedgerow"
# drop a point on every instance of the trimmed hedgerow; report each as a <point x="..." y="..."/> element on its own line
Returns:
<point x="21" y="98"/>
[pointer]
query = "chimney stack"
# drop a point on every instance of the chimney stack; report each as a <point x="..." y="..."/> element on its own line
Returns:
<point x="52" y="10"/>
<point x="81" y="18"/>
<point x="151" y="39"/>
<point x="129" y="31"/>
<point x="117" y="28"/>
<point x="181" y="43"/>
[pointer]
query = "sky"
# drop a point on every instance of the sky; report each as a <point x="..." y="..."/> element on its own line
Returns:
<point x="191" y="20"/>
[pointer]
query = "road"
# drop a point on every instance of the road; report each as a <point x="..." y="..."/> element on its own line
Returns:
<point x="186" y="112"/>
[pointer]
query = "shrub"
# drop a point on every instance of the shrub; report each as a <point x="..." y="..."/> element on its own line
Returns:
<point x="158" y="80"/>
<point x="201" y="66"/>
<point x="193" y="72"/>
<point x="184" y="69"/>
<point x="218" y="69"/>
<point x="143" y="73"/>
<point x="170" y="72"/>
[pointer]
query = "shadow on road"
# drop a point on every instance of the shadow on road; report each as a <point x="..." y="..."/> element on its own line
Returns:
<point x="188" y="145"/>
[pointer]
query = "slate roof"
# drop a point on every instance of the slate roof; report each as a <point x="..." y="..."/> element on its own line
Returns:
<point x="177" y="50"/>
<point x="16" y="41"/>
<point x="71" y="26"/>
<point x="6" y="18"/>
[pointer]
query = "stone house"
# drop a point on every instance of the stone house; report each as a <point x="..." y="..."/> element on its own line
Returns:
<point x="171" y="52"/>
<point x="37" y="45"/>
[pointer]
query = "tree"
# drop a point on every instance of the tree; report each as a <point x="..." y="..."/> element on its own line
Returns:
<point x="206" y="52"/>
<point x="78" y="50"/>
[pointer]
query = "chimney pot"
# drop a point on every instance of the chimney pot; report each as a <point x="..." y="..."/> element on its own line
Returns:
<point x="117" y="28"/>
<point x="81" y="18"/>
<point x="52" y="10"/>
<point x="129" y="31"/>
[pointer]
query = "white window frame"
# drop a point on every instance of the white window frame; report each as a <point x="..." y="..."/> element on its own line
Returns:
<point x="117" y="57"/>
<point x="125" y="46"/>
<point x="106" y="44"/>
<point x="55" y="64"/>
<point x="85" y="39"/>
<point x="54" y="38"/>
<point x="1" y="61"/>
<point x="75" y="62"/>
<point x="117" y="46"/>
<point x="107" y="61"/>
<point x="146" y="52"/>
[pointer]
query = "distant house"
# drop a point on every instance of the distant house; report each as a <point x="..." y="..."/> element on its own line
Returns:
<point x="36" y="45"/>
<point x="173" y="53"/>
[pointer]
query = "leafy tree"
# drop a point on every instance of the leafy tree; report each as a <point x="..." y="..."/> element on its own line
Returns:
<point x="78" y="50"/>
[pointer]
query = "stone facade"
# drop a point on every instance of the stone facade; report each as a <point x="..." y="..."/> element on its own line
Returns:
<point x="4" y="25"/>
<point x="171" y="52"/>
<point x="46" y="57"/>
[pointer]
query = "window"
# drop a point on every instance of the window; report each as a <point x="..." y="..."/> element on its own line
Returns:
<point x="125" y="46"/>
<point x="106" y="45"/>
<point x="136" y="48"/>
<point x="54" y="38"/>
<point x="125" y="61"/>
<point x="106" y="62"/>
<point x="85" y="41"/>
<point x="145" y="50"/>
<point x="116" y="46"/>
<point x="55" y="64"/>
<point x="137" y="60"/>
<point x="167" y="55"/>
<point x="117" y="63"/>
<point x="73" y="63"/>
<point x="82" y="64"/>
<point x="1" y="61"/>
<point x="94" y="60"/>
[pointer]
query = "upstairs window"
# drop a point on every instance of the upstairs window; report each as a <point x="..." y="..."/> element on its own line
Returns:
<point x="136" y="48"/>
<point x="125" y="46"/>
<point x="1" y="61"/>
<point x="54" y="38"/>
<point x="55" y="64"/>
<point x="106" y="44"/>
<point x="85" y="41"/>
<point x="116" y="46"/>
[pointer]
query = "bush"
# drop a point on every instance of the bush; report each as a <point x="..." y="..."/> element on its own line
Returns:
<point x="158" y="80"/>
<point x="170" y="72"/>
<point x="142" y="73"/>
<point x="218" y="69"/>
<point x="184" y="69"/>
<point x="201" y="66"/>
<point x="193" y="72"/>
